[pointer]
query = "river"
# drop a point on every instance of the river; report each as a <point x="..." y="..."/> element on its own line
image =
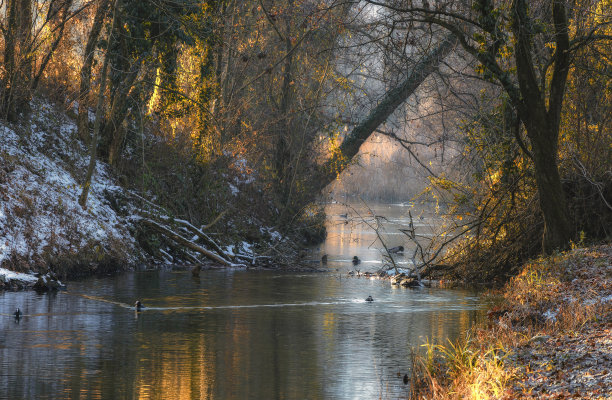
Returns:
<point x="229" y="334"/>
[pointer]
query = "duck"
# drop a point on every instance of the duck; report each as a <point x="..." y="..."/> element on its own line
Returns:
<point x="369" y="299"/>
<point x="324" y="259"/>
<point x="17" y="314"/>
<point x="396" y="249"/>
<point x="406" y="379"/>
<point x="356" y="260"/>
<point x="138" y="306"/>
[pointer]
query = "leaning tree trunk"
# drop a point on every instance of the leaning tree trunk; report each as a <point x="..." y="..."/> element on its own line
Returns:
<point x="390" y="102"/>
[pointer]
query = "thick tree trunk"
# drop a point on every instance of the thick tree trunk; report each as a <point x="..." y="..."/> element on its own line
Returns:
<point x="390" y="102"/>
<point x="557" y="224"/>
<point x="542" y="124"/>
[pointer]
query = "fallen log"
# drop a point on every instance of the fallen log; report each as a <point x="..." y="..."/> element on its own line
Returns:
<point x="185" y="242"/>
<point x="190" y="227"/>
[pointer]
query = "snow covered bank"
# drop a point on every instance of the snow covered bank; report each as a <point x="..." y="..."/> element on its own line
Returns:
<point x="41" y="223"/>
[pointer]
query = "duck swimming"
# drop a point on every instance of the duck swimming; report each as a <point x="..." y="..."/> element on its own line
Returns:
<point x="369" y="299"/>
<point x="356" y="260"/>
<point x="17" y="314"/>
<point x="396" y="249"/>
<point x="138" y="306"/>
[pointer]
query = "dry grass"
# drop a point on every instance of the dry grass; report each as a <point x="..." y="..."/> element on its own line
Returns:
<point x="565" y="295"/>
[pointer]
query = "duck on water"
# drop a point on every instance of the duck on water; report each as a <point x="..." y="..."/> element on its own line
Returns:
<point x="396" y="250"/>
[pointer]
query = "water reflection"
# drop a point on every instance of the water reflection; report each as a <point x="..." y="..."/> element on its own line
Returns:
<point x="197" y="341"/>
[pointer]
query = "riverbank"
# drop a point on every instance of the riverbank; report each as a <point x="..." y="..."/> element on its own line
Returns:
<point x="43" y="228"/>
<point x="549" y="336"/>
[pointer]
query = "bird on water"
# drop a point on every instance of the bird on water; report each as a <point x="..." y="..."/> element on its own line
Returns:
<point x="356" y="260"/>
<point x="17" y="314"/>
<point x="138" y="306"/>
<point x="369" y="299"/>
<point x="396" y="249"/>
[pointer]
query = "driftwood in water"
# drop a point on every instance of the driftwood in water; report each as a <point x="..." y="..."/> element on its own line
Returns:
<point x="185" y="242"/>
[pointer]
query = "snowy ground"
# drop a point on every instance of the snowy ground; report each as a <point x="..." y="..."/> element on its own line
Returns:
<point x="41" y="169"/>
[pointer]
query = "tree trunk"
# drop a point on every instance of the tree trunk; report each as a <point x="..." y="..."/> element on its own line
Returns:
<point x="99" y="111"/>
<point x="187" y="243"/>
<point x="114" y="131"/>
<point x="85" y="84"/>
<point x="282" y="151"/>
<point x="390" y="102"/>
<point x="17" y="59"/>
<point x="542" y="124"/>
<point x="61" y="17"/>
<point x="557" y="225"/>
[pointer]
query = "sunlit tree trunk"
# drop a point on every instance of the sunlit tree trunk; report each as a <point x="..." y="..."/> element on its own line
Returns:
<point x="114" y="131"/>
<point x="86" y="69"/>
<point x="390" y="102"/>
<point x="99" y="114"/>
<point x="59" y="13"/>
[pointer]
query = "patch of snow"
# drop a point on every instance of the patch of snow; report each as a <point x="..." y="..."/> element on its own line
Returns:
<point x="39" y="210"/>
<point x="10" y="275"/>
<point x="247" y="247"/>
<point x="550" y="315"/>
<point x="391" y="271"/>
<point x="234" y="189"/>
<point x="274" y="235"/>
<point x="606" y="299"/>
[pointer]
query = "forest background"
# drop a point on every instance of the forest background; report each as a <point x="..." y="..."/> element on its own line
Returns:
<point x="236" y="116"/>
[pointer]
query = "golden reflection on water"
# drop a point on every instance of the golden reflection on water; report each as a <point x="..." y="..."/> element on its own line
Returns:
<point x="326" y="343"/>
<point x="188" y="368"/>
<point x="181" y="372"/>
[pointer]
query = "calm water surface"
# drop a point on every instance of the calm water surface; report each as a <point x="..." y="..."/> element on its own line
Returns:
<point x="227" y="335"/>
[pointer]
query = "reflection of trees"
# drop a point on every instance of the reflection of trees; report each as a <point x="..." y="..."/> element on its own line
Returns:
<point x="99" y="352"/>
<point x="226" y="353"/>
